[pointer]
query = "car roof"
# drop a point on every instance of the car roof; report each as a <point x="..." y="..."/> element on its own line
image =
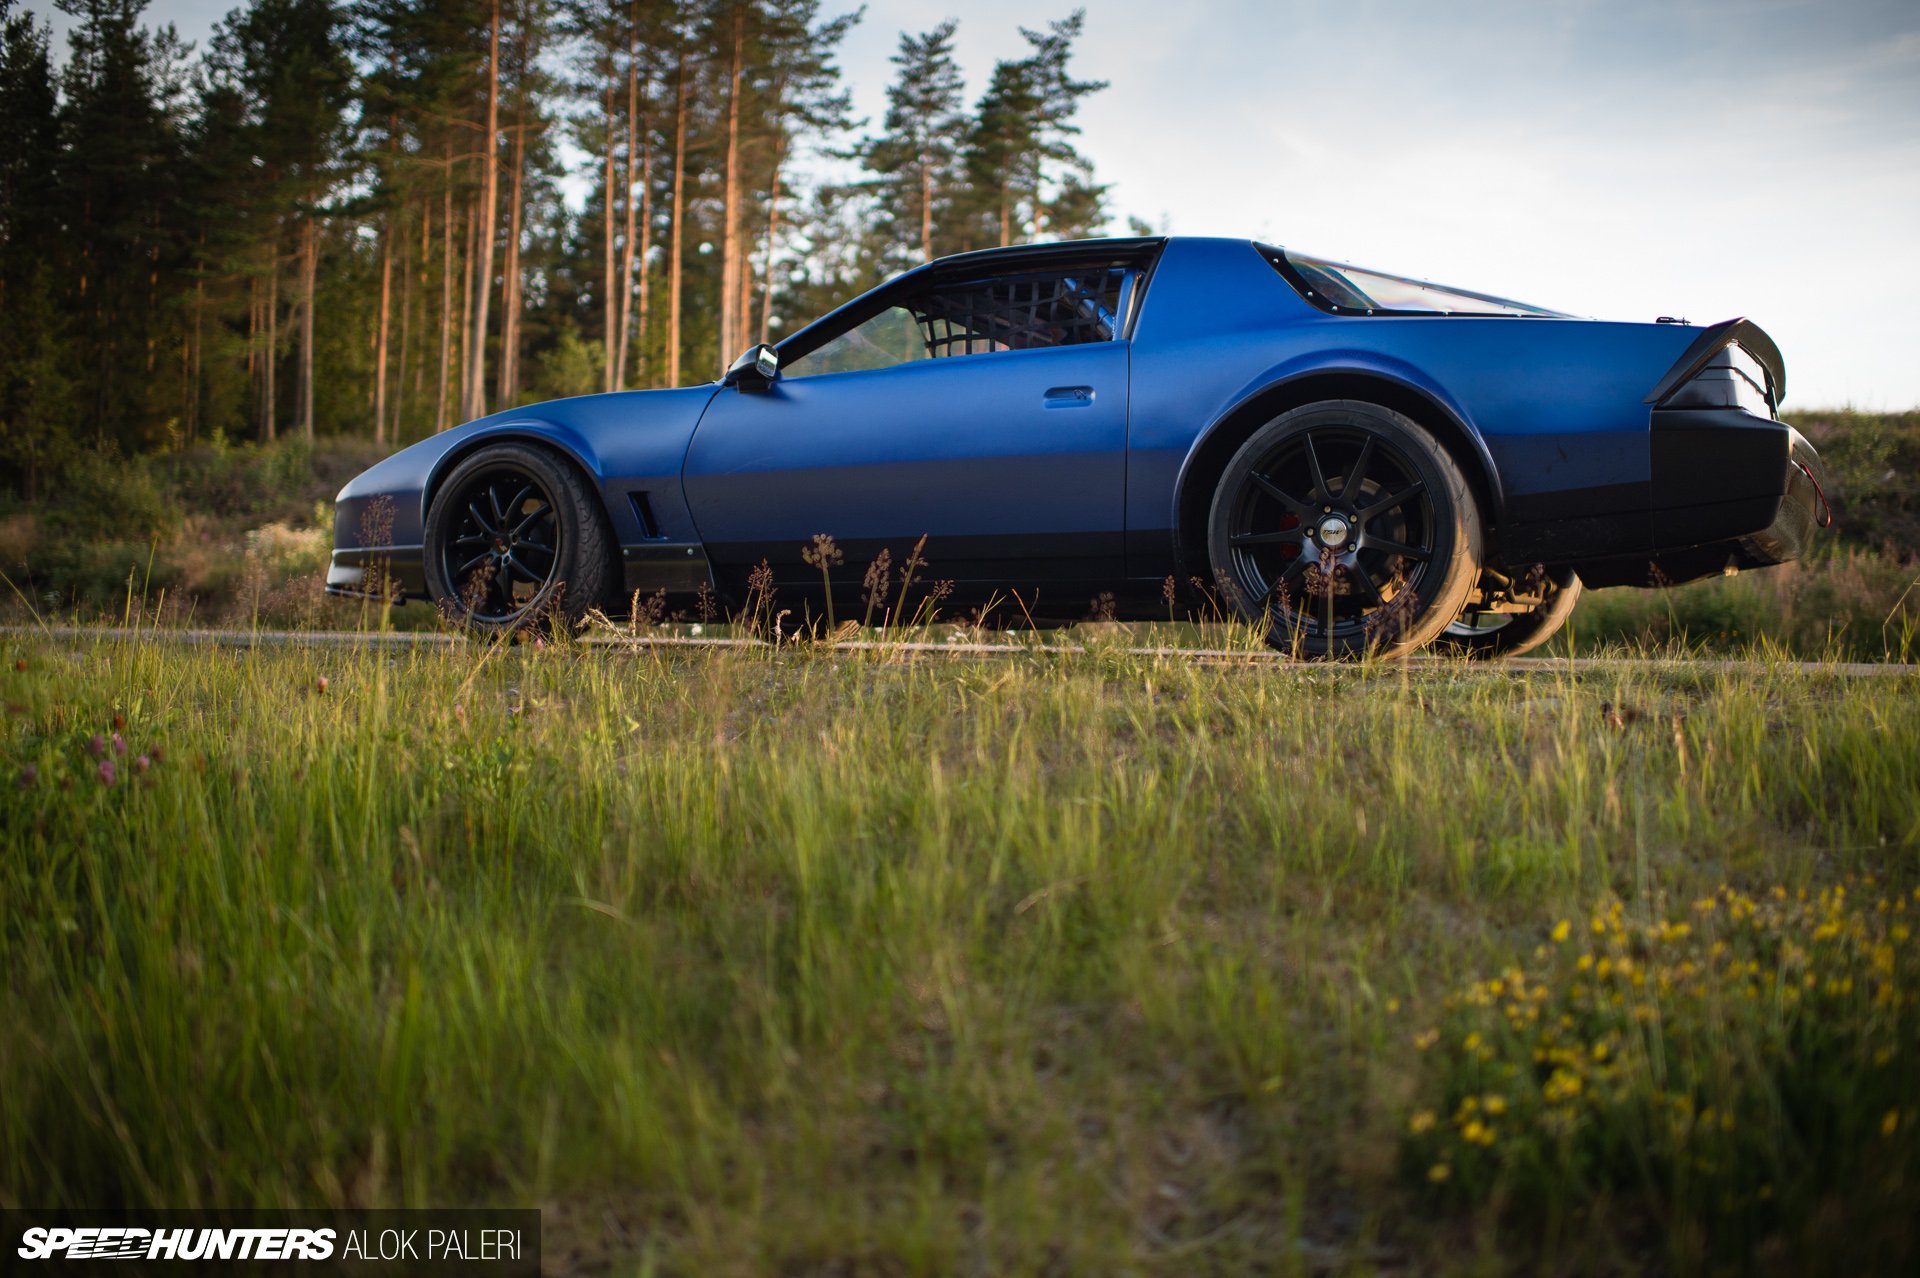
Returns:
<point x="1058" y="250"/>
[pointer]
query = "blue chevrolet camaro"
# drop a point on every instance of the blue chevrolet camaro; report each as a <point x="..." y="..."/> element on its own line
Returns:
<point x="1359" y="460"/>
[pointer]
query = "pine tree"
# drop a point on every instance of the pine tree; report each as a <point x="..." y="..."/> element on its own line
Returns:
<point x="917" y="158"/>
<point x="35" y="386"/>
<point x="1027" y="181"/>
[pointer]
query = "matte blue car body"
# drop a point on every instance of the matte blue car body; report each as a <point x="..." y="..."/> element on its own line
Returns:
<point x="1080" y="464"/>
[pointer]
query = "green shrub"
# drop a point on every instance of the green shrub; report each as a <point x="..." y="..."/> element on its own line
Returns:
<point x="103" y="495"/>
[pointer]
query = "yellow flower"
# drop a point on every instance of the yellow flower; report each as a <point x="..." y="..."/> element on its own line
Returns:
<point x="1423" y="1041"/>
<point x="1891" y="1123"/>
<point x="1421" y="1122"/>
<point x="1439" y="1173"/>
<point x="1495" y="1104"/>
<point x="1393" y="1005"/>
<point x="1561" y="929"/>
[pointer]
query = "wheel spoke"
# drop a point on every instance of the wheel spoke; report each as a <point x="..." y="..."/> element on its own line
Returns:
<point x="1320" y="492"/>
<point x="524" y="547"/>
<point x="488" y="528"/>
<point x="1263" y="539"/>
<point x="526" y="572"/>
<point x="1419" y="554"/>
<point x="1394" y="499"/>
<point x="1274" y="491"/>
<point x="503" y="582"/>
<point x="1295" y="569"/>
<point x="493" y="499"/>
<point x="520" y="529"/>
<point x="1363" y="587"/>
<point x="460" y="573"/>
<point x="1350" y="487"/>
<point x="519" y="500"/>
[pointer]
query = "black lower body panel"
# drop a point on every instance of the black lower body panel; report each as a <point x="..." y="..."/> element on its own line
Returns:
<point x="390" y="573"/>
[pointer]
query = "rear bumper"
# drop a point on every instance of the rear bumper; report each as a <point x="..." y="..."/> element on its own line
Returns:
<point x="1720" y="474"/>
<point x="1729" y="490"/>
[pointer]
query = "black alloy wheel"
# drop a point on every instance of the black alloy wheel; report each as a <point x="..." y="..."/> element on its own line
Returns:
<point x="514" y="531"/>
<point x="1348" y="528"/>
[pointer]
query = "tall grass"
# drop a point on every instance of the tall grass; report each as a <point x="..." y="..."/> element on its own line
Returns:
<point x="773" y="960"/>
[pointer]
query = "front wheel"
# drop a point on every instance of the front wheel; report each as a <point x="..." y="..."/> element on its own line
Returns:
<point x="1511" y="628"/>
<point x="1347" y="529"/>
<point x="514" y="534"/>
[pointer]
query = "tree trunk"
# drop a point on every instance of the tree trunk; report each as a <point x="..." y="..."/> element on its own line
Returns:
<point x="426" y="277"/>
<point x="199" y="317"/>
<point x="309" y="271"/>
<point x="926" y="208"/>
<point x="608" y="312"/>
<point x="730" y="325"/>
<point x="773" y="231"/>
<point x="406" y="331"/>
<point x="472" y="219"/>
<point x="626" y="245"/>
<point x="646" y="246"/>
<point x="674" y="271"/>
<point x="446" y="291"/>
<point x="380" y="340"/>
<point x="632" y="146"/>
<point x="253" y="342"/>
<point x="269" y="425"/>
<point x="476" y="405"/>
<point x="508" y="389"/>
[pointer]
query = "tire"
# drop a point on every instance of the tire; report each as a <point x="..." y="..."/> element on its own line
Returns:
<point x="1346" y="529"/>
<point x="514" y="535"/>
<point x="1486" y="635"/>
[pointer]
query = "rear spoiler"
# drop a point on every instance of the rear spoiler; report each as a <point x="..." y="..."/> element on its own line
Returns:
<point x="1752" y="338"/>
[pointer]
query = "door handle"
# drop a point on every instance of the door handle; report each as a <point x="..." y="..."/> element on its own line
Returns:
<point x="1068" y="397"/>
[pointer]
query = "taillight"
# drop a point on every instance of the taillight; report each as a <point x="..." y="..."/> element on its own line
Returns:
<point x="1731" y="379"/>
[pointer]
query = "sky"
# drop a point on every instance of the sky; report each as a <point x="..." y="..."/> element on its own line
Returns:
<point x="1621" y="159"/>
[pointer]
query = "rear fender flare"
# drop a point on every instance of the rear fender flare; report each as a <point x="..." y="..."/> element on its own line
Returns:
<point x="1334" y="375"/>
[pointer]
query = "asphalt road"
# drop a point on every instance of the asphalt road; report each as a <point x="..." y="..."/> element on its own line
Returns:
<point x="1210" y="656"/>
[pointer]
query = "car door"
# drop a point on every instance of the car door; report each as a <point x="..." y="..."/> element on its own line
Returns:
<point x="983" y="414"/>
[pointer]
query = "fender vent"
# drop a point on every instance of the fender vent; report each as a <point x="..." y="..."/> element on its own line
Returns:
<point x="643" y="511"/>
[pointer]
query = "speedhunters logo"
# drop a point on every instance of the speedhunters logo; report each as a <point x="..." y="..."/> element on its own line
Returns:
<point x="458" y="1241"/>
<point x="93" y="1242"/>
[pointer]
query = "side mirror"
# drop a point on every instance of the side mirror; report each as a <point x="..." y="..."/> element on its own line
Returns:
<point x="756" y="371"/>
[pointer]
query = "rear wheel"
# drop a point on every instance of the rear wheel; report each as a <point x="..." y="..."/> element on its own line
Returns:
<point x="513" y="534"/>
<point x="1347" y="529"/>
<point x="1507" y="631"/>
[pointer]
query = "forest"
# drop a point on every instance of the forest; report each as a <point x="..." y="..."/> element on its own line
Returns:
<point x="380" y="218"/>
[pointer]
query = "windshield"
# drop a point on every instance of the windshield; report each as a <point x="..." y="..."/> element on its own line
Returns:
<point x="1336" y="286"/>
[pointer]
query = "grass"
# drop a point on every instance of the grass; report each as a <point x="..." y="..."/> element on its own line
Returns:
<point x="754" y="961"/>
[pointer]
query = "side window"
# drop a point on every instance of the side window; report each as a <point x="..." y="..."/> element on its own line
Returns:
<point x="1030" y="310"/>
<point x="889" y="338"/>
